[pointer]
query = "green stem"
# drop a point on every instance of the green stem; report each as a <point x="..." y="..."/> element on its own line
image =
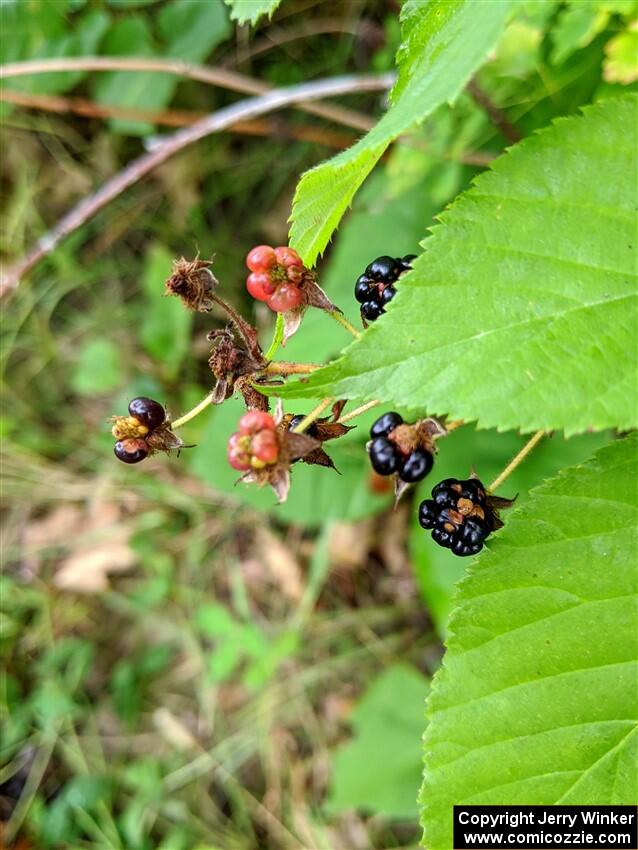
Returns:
<point x="277" y="338"/>
<point x="314" y="414"/>
<point x="204" y="403"/>
<point x="341" y="319"/>
<point x="511" y="466"/>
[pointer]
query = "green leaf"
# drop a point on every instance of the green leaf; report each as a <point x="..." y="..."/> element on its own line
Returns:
<point x="380" y="768"/>
<point x="192" y="28"/>
<point x="536" y="700"/>
<point x="98" y="368"/>
<point x="249" y="11"/>
<point x="42" y="31"/>
<point x="443" y="45"/>
<point x="621" y="56"/>
<point x="521" y="311"/>
<point x="166" y="325"/>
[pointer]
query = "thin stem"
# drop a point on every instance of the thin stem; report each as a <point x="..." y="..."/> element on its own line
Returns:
<point x="282" y="367"/>
<point x="458" y="423"/>
<point x="341" y="319"/>
<point x="174" y="118"/>
<point x="204" y="403"/>
<point x="221" y="77"/>
<point x="516" y="460"/>
<point x="314" y="414"/>
<point x="277" y="338"/>
<point x="358" y="411"/>
<point x="142" y="165"/>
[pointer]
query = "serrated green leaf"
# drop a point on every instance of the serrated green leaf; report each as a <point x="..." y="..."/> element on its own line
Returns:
<point x="249" y="11"/>
<point x="521" y="312"/>
<point x="443" y="45"/>
<point x="536" y="700"/>
<point x="378" y="769"/>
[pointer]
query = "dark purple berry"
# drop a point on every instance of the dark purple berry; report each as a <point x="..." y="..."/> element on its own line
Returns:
<point x="473" y="532"/>
<point x="388" y="294"/>
<point x="383" y="268"/>
<point x="442" y="537"/>
<point x="384" y="456"/>
<point x="443" y="494"/>
<point x="371" y="311"/>
<point x="148" y="412"/>
<point x="473" y="489"/>
<point x="362" y="289"/>
<point x="132" y="450"/>
<point x="445" y="521"/>
<point x="427" y="514"/>
<point x="459" y="547"/>
<point x="417" y="466"/>
<point x="386" y="423"/>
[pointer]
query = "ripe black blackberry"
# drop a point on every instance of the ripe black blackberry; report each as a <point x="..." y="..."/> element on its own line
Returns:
<point x="387" y="456"/>
<point x="460" y="515"/>
<point x="376" y="286"/>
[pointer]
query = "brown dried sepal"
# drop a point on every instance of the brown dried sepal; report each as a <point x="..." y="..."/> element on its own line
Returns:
<point x="194" y="283"/>
<point x="277" y="475"/>
<point x="421" y="435"/>
<point x="230" y="361"/>
<point x="313" y="296"/>
<point x="321" y="430"/>
<point x="164" y="439"/>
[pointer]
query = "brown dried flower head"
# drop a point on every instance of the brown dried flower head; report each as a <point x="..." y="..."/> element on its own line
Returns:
<point x="193" y="282"/>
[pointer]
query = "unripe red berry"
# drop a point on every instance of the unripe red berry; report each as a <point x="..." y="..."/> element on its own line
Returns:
<point x="287" y="297"/>
<point x="265" y="448"/>
<point x="288" y="257"/>
<point x="294" y="274"/>
<point x="260" y="285"/>
<point x="132" y="450"/>
<point x="261" y="258"/>
<point x="237" y="452"/>
<point x="254" y="421"/>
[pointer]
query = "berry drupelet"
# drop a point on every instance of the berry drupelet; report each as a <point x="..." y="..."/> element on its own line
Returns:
<point x="390" y="452"/>
<point x="459" y="515"/>
<point x="376" y="286"/>
<point x="147" y="411"/>
<point x="254" y="445"/>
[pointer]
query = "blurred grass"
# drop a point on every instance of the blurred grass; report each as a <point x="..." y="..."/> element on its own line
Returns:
<point x="185" y="662"/>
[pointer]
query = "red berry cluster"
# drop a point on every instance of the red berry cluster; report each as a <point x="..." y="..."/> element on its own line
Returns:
<point x="255" y="445"/>
<point x="276" y="276"/>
